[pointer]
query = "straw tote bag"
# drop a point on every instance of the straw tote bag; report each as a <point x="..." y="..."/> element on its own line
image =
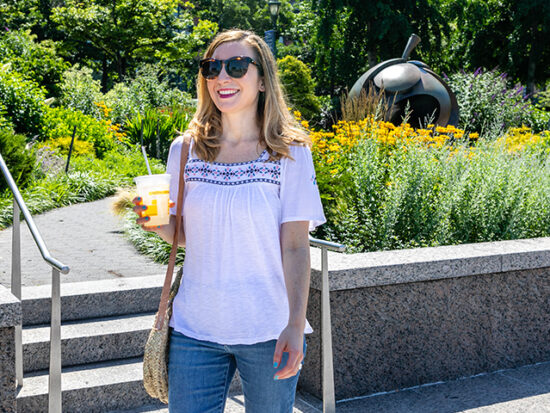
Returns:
<point x="155" y="358"/>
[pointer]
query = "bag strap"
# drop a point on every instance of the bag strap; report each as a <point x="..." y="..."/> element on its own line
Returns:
<point x="163" y="305"/>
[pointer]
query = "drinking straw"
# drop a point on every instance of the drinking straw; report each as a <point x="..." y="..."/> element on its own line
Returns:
<point x="143" y="149"/>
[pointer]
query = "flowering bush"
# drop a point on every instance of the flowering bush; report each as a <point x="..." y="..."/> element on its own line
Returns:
<point x="389" y="187"/>
<point x="487" y="105"/>
<point x="59" y="123"/>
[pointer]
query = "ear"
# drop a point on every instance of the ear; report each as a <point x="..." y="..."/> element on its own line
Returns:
<point x="262" y="86"/>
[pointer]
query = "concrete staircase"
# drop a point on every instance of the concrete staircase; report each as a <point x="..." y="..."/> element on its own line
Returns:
<point x="104" y="328"/>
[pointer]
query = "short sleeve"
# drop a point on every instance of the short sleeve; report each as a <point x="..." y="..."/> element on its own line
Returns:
<point x="300" y="199"/>
<point x="173" y="168"/>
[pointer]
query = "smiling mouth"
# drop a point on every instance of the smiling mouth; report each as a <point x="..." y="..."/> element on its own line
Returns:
<point x="227" y="93"/>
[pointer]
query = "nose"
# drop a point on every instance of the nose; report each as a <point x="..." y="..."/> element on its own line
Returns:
<point x="223" y="74"/>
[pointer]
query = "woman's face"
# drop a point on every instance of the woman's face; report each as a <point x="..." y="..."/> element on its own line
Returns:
<point x="231" y="95"/>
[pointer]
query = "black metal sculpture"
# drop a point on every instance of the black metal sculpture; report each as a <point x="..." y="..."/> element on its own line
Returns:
<point x="428" y="96"/>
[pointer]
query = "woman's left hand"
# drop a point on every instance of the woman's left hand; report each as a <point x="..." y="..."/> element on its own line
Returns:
<point x="290" y="341"/>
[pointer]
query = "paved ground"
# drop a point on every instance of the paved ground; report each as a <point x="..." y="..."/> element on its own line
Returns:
<point x="522" y="390"/>
<point x="88" y="238"/>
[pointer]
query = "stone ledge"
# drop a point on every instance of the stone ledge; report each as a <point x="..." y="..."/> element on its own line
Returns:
<point x="10" y="308"/>
<point x="349" y="271"/>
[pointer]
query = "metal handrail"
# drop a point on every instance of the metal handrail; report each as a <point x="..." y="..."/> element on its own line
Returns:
<point x="329" y="399"/>
<point x="19" y="206"/>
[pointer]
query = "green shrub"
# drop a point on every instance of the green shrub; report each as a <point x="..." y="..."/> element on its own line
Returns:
<point x="20" y="161"/>
<point x="147" y="90"/>
<point x="539" y="119"/>
<point x="4" y="121"/>
<point x="487" y="105"/>
<point x="299" y="86"/>
<point x="423" y="196"/>
<point x="59" y="123"/>
<point x="37" y="61"/>
<point x="80" y="91"/>
<point x="542" y="98"/>
<point x="169" y="122"/>
<point x="23" y="100"/>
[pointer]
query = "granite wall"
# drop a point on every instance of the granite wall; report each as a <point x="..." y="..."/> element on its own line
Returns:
<point x="10" y="315"/>
<point x="431" y="317"/>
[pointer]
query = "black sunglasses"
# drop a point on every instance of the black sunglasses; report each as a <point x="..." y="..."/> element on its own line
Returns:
<point x="235" y="67"/>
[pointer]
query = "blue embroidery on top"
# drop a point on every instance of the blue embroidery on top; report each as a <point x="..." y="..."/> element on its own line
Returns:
<point x="313" y="179"/>
<point x="233" y="174"/>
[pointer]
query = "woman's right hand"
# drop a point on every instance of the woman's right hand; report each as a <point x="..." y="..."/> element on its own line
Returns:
<point x="142" y="221"/>
<point x="139" y="209"/>
<point x="166" y="232"/>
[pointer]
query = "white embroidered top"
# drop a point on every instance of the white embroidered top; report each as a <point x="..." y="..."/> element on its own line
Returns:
<point x="233" y="288"/>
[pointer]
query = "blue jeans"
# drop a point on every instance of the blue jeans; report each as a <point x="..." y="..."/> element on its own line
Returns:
<point x="200" y="372"/>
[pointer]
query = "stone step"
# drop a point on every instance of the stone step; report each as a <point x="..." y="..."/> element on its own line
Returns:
<point x="92" y="299"/>
<point x="97" y="387"/>
<point x="88" y="341"/>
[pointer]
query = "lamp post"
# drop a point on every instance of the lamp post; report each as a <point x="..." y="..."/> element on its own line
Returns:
<point x="274" y="7"/>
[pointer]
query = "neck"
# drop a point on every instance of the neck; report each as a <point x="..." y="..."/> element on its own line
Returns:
<point x="240" y="127"/>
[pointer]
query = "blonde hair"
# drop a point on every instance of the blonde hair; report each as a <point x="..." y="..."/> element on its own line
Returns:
<point x="278" y="128"/>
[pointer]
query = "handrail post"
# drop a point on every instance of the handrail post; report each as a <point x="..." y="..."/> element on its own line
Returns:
<point x="329" y="401"/>
<point x="19" y="207"/>
<point x="16" y="288"/>
<point x="54" y="383"/>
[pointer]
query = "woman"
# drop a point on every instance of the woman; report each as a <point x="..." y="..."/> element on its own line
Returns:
<point x="250" y="198"/>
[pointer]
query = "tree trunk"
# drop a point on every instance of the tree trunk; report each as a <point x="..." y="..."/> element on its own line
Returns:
<point x="104" y="75"/>
<point x="371" y="57"/>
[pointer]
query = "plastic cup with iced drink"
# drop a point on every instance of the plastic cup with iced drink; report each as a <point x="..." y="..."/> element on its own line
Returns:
<point x="154" y="191"/>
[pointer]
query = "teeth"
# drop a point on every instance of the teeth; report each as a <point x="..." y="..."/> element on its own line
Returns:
<point x="227" y="92"/>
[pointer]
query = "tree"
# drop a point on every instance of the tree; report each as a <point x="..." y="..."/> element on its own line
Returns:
<point x="509" y="34"/>
<point x="245" y="14"/>
<point x="123" y="32"/>
<point x="37" y="61"/>
<point x="354" y="35"/>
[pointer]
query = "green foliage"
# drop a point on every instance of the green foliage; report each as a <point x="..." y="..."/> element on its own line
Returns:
<point x="145" y="91"/>
<point x="23" y="101"/>
<point x="301" y="35"/>
<point x="80" y="91"/>
<point x="88" y="179"/>
<point x="508" y="34"/>
<point x="160" y="127"/>
<point x="353" y="35"/>
<point x="422" y="196"/>
<point x="19" y="160"/>
<point x="4" y="121"/>
<point x="148" y="243"/>
<point x="542" y="98"/>
<point x="244" y="14"/>
<point x="59" y="123"/>
<point x="37" y="61"/>
<point x="487" y="105"/>
<point x="539" y="119"/>
<point x="125" y="33"/>
<point x="20" y="14"/>
<point x="299" y="86"/>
